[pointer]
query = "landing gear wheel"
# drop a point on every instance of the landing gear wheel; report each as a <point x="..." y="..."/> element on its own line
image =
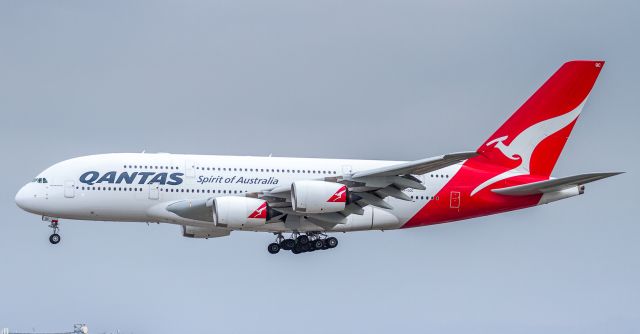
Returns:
<point x="303" y="239"/>
<point x="288" y="244"/>
<point x="331" y="242"/>
<point x="296" y="249"/>
<point x="54" y="238"/>
<point x="305" y="247"/>
<point x="273" y="248"/>
<point x="318" y="244"/>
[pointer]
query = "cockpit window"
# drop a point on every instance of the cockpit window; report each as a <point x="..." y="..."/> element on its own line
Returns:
<point x="40" y="180"/>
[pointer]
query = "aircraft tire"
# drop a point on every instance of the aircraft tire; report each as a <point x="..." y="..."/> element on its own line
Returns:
<point x="54" y="238"/>
<point x="287" y="244"/>
<point x="305" y="247"/>
<point x="273" y="248"/>
<point x="303" y="239"/>
<point x="332" y="242"/>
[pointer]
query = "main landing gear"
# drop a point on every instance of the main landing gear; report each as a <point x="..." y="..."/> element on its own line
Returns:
<point x="55" y="237"/>
<point x="301" y="243"/>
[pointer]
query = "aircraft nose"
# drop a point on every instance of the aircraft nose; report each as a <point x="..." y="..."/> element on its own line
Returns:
<point x="24" y="199"/>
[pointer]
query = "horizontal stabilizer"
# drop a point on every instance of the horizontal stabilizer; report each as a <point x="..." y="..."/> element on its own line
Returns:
<point x="552" y="185"/>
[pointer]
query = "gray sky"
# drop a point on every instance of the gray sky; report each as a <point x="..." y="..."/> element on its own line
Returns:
<point x="398" y="80"/>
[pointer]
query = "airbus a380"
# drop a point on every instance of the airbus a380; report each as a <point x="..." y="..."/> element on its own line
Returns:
<point x="307" y="199"/>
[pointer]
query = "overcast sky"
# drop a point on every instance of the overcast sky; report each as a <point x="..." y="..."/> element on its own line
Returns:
<point x="397" y="80"/>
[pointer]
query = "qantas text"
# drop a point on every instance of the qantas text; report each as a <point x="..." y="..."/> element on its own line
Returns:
<point x="93" y="177"/>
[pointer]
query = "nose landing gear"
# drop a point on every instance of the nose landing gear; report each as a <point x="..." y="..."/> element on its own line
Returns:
<point x="55" y="237"/>
<point x="301" y="243"/>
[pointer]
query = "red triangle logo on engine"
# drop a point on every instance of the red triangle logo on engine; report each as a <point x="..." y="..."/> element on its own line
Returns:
<point x="340" y="196"/>
<point x="260" y="213"/>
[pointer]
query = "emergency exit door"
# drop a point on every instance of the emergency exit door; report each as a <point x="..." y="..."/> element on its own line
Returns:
<point x="454" y="201"/>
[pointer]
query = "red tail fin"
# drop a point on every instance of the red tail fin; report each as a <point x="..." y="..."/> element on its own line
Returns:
<point x="535" y="134"/>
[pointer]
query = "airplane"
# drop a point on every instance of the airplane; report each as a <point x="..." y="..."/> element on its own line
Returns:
<point x="308" y="199"/>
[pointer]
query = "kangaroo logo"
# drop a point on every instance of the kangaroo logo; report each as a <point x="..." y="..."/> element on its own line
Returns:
<point x="260" y="212"/>
<point x="339" y="196"/>
<point x="522" y="146"/>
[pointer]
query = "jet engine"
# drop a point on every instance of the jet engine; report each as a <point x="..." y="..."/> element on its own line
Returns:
<point x="238" y="212"/>
<point x="319" y="196"/>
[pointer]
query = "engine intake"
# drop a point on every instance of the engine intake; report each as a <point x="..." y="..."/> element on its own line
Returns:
<point x="319" y="196"/>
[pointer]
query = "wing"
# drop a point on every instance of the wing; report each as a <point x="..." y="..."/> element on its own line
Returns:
<point x="417" y="167"/>
<point x="370" y="187"/>
<point x="552" y="185"/>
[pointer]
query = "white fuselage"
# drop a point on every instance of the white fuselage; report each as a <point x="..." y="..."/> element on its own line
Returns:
<point x="94" y="187"/>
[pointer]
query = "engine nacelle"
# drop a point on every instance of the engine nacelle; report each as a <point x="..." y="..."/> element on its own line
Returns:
<point x="318" y="196"/>
<point x="238" y="212"/>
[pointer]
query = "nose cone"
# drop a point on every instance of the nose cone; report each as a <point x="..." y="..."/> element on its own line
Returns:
<point x="25" y="199"/>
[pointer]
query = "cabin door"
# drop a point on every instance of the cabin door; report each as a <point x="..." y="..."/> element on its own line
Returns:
<point x="154" y="191"/>
<point x="69" y="189"/>
<point x="454" y="200"/>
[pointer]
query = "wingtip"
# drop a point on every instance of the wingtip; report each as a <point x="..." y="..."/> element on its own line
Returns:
<point x="605" y="175"/>
<point x="608" y="174"/>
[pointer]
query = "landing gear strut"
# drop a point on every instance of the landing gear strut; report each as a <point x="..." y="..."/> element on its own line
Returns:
<point x="301" y="243"/>
<point x="55" y="237"/>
